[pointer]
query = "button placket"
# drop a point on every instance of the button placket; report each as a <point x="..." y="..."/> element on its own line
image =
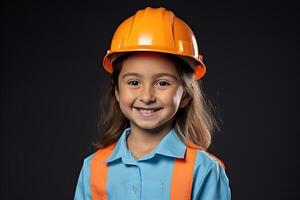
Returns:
<point x="133" y="186"/>
<point x="134" y="189"/>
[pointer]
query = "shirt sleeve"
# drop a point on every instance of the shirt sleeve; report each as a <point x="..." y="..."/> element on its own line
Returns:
<point x="83" y="191"/>
<point x="211" y="183"/>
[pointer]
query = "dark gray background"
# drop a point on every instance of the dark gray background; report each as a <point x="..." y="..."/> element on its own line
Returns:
<point x="52" y="83"/>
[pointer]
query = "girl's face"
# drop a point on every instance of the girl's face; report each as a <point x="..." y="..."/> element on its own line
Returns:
<point x="149" y="91"/>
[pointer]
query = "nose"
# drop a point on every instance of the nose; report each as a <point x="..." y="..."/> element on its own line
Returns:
<point x="147" y="95"/>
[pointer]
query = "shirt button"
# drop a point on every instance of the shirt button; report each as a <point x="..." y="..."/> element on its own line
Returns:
<point x="134" y="189"/>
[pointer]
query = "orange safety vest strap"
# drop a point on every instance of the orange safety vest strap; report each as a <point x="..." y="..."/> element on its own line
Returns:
<point x="99" y="171"/>
<point x="182" y="179"/>
<point x="192" y="145"/>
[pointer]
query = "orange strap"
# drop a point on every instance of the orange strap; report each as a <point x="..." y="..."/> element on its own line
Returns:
<point x="182" y="179"/>
<point x="192" y="145"/>
<point x="99" y="171"/>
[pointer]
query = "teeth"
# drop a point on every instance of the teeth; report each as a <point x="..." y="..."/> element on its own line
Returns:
<point x="146" y="111"/>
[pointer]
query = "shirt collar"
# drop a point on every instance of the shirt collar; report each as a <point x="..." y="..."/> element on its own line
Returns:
<point x="170" y="146"/>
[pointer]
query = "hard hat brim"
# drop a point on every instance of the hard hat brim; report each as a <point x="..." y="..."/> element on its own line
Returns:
<point x="195" y="63"/>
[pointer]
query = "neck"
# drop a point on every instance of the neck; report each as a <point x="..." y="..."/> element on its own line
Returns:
<point x="143" y="141"/>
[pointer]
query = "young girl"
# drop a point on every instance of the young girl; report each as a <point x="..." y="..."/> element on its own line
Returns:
<point x="157" y="125"/>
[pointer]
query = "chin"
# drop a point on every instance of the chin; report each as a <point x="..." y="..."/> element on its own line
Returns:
<point x="150" y="126"/>
<point x="147" y="126"/>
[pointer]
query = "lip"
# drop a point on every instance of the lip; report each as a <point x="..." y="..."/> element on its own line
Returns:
<point x="142" y="108"/>
<point x="148" y="113"/>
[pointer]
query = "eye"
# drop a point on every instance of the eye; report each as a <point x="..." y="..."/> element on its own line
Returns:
<point x="162" y="83"/>
<point x="133" y="83"/>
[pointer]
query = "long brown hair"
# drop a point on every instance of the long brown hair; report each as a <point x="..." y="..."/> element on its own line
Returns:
<point x="193" y="123"/>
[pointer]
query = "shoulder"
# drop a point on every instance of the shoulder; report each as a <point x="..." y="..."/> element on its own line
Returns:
<point x="207" y="159"/>
<point x="99" y="154"/>
<point x="87" y="161"/>
<point x="207" y="163"/>
<point x="210" y="179"/>
<point x="204" y="156"/>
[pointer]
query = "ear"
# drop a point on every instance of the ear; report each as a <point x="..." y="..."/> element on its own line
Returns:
<point x="185" y="101"/>
<point x="117" y="94"/>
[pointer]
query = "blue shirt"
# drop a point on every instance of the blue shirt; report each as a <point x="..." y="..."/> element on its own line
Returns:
<point x="150" y="177"/>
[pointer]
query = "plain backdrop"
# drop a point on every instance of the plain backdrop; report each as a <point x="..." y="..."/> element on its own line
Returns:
<point x="52" y="84"/>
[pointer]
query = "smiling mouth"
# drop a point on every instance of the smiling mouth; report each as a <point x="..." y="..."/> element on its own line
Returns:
<point x="147" y="110"/>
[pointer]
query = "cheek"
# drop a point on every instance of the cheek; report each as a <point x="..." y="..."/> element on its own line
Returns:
<point x="126" y="98"/>
<point x="172" y="98"/>
<point x="125" y="104"/>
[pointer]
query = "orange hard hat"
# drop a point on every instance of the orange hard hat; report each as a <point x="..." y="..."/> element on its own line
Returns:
<point x="155" y="30"/>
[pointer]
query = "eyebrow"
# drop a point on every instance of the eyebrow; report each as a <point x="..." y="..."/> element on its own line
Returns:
<point x="131" y="74"/>
<point x="155" y="76"/>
